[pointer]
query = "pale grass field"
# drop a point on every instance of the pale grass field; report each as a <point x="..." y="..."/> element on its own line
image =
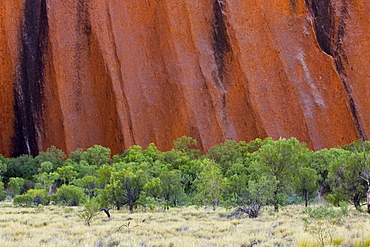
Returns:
<point x="188" y="226"/>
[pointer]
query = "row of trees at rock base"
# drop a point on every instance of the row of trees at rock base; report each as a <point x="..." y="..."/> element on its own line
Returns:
<point x="261" y="172"/>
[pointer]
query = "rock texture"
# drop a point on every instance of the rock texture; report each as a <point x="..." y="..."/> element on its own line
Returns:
<point x="75" y="73"/>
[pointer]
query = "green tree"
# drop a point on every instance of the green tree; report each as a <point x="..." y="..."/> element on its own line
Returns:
<point x="152" y="153"/>
<point x="2" y="192"/>
<point x="228" y="153"/>
<point x="363" y="162"/>
<point x="186" y="146"/>
<point x="46" y="166"/>
<point x="15" y="186"/>
<point x="3" y="167"/>
<point x="259" y="193"/>
<point x="172" y="188"/>
<point x="89" y="184"/>
<point x="305" y="182"/>
<point x="66" y="173"/>
<point x="210" y="184"/>
<point x="237" y="176"/>
<point x="321" y="162"/>
<point x="97" y="155"/>
<point x="125" y="188"/>
<point x="82" y="168"/>
<point x="280" y="159"/>
<point x="189" y="173"/>
<point x="53" y="155"/>
<point x="39" y="196"/>
<point x="104" y="174"/>
<point x="69" y="195"/>
<point x="77" y="155"/>
<point x="23" y="200"/>
<point x="346" y="181"/>
<point x="23" y="166"/>
<point x="47" y="179"/>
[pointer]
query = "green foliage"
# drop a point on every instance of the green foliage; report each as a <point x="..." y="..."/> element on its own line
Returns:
<point x="321" y="222"/>
<point x="228" y="153"/>
<point x="69" y="195"/>
<point x="262" y="190"/>
<point x="97" y="155"/>
<point x="171" y="187"/>
<point x="189" y="173"/>
<point x="133" y="154"/>
<point x="3" y="168"/>
<point x="280" y="159"/>
<point x="232" y="173"/>
<point x="186" y="146"/>
<point x="23" y="200"/>
<point x="305" y="182"/>
<point x="15" y="186"/>
<point x="2" y="192"/>
<point x="47" y="179"/>
<point x="104" y="173"/>
<point x="53" y="155"/>
<point x="210" y="184"/>
<point x="39" y="196"/>
<point x="66" y="173"/>
<point x="24" y="166"/>
<point x="152" y="153"/>
<point x="46" y="166"/>
<point x="82" y="168"/>
<point x="125" y="188"/>
<point x="237" y="178"/>
<point x="346" y="178"/>
<point x="90" y="211"/>
<point x="88" y="183"/>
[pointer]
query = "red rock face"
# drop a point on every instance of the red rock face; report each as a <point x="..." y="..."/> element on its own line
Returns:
<point x="75" y="73"/>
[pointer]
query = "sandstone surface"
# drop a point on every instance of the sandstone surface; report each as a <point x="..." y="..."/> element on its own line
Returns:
<point x="75" y="73"/>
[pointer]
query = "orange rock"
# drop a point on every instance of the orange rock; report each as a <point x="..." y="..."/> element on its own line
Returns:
<point x="118" y="73"/>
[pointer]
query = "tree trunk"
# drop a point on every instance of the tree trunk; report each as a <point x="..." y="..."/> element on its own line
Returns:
<point x="275" y="202"/>
<point x="356" y="202"/>
<point x="131" y="207"/>
<point x="368" y="200"/>
<point x="306" y="196"/>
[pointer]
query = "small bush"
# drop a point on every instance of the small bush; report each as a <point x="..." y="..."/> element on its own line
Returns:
<point x="69" y="195"/>
<point x="40" y="196"/>
<point x="321" y="223"/>
<point x="91" y="210"/>
<point x="2" y="192"/>
<point x="23" y="200"/>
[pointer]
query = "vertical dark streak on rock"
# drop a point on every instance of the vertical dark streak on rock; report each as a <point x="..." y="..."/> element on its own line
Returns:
<point x="221" y="44"/>
<point x="294" y="5"/>
<point x="83" y="30"/>
<point x="341" y="59"/>
<point x="322" y="12"/>
<point x="131" y="137"/>
<point x="28" y="106"/>
<point x="329" y="34"/>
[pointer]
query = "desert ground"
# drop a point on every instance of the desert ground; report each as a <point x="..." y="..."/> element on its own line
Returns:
<point x="186" y="226"/>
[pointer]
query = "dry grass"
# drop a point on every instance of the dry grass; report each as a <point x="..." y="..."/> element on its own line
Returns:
<point x="60" y="226"/>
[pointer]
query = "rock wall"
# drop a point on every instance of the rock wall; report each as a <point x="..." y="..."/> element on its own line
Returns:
<point x="75" y="73"/>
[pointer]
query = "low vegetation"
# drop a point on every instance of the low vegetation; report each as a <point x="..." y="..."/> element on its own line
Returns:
<point x="251" y="184"/>
<point x="181" y="226"/>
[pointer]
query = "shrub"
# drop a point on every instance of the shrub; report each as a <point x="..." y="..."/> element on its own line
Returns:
<point x="23" y="200"/>
<point x="40" y="196"/>
<point x="15" y="185"/>
<point x="69" y="195"/>
<point x="2" y="192"/>
<point x="320" y="223"/>
<point x="91" y="210"/>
